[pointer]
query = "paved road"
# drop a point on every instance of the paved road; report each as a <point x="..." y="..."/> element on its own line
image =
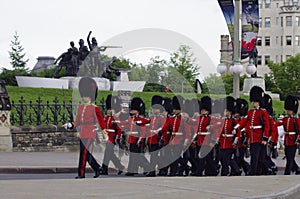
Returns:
<point x="59" y="182"/>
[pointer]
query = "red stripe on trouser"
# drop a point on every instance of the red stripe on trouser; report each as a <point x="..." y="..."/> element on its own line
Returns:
<point x="83" y="163"/>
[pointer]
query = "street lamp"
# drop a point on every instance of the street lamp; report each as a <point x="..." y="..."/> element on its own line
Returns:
<point x="236" y="67"/>
<point x="162" y="74"/>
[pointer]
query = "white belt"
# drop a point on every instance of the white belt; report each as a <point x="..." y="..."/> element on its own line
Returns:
<point x="133" y="132"/>
<point x="154" y="131"/>
<point x="290" y="133"/>
<point x="203" y="133"/>
<point x="177" y="133"/>
<point x="228" y="135"/>
<point x="255" y="127"/>
<point x="111" y="130"/>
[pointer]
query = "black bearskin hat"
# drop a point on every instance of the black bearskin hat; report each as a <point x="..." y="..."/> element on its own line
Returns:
<point x="291" y="103"/>
<point x="113" y="102"/>
<point x="157" y="102"/>
<point x="230" y="104"/>
<point x="268" y="105"/>
<point x="138" y="105"/>
<point x="257" y="95"/>
<point x="241" y="106"/>
<point x="206" y="103"/>
<point x="189" y="107"/>
<point x="168" y="105"/>
<point x="218" y="106"/>
<point x="88" y="88"/>
<point x="177" y="102"/>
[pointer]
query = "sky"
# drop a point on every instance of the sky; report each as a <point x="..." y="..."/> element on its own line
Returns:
<point x="45" y="28"/>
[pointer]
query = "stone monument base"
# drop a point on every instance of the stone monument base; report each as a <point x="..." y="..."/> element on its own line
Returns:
<point x="250" y="82"/>
<point x="5" y="140"/>
<point x="134" y="86"/>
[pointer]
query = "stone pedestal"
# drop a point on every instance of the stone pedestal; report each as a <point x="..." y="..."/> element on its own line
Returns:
<point x="250" y="82"/>
<point x="5" y="135"/>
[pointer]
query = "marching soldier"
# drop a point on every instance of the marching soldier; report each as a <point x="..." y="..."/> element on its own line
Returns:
<point x="256" y="123"/>
<point x="114" y="134"/>
<point x="228" y="141"/>
<point x="88" y="116"/>
<point x="164" y="156"/>
<point x="269" y="166"/>
<point x="137" y="130"/>
<point x="240" y="112"/>
<point x="191" y="110"/>
<point x="291" y="125"/>
<point x="203" y="138"/>
<point x="154" y="132"/>
<point x="174" y="132"/>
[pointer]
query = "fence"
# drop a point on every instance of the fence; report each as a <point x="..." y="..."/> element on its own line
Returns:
<point x="40" y="113"/>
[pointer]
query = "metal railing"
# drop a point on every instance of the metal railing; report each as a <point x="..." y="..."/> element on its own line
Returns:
<point x="40" y="113"/>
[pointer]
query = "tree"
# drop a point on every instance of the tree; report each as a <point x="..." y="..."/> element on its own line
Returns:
<point x="16" y="54"/>
<point x="182" y="70"/>
<point x="218" y="84"/>
<point x="286" y="75"/>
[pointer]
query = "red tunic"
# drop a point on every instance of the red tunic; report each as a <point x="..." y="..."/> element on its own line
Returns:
<point x="289" y="124"/>
<point x="203" y="135"/>
<point x="88" y="116"/>
<point x="113" y="130"/>
<point x="226" y="136"/>
<point x="157" y="121"/>
<point x="254" y="122"/>
<point x="136" y="126"/>
<point x="175" y="130"/>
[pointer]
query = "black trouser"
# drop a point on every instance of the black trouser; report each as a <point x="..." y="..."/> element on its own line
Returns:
<point x="240" y="160"/>
<point x="225" y="157"/>
<point x="86" y="156"/>
<point x="165" y="159"/>
<point x="176" y="155"/>
<point x="257" y="158"/>
<point x="109" y="155"/>
<point x="290" y="152"/>
<point x="154" y="158"/>
<point x="137" y="158"/>
<point x="206" y="161"/>
<point x="194" y="158"/>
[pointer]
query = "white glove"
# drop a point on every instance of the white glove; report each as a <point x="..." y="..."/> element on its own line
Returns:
<point x="68" y="126"/>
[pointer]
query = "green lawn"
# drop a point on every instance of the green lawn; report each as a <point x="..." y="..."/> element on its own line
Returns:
<point x="47" y="94"/>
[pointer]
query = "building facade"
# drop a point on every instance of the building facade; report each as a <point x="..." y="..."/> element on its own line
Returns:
<point x="279" y="33"/>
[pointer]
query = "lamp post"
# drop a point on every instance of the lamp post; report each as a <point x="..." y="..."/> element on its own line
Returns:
<point x="162" y="74"/>
<point x="236" y="67"/>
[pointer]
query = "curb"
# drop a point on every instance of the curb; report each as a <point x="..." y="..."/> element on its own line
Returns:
<point x="45" y="170"/>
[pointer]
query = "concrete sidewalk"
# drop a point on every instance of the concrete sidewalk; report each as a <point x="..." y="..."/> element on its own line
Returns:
<point x="60" y="162"/>
<point x="114" y="186"/>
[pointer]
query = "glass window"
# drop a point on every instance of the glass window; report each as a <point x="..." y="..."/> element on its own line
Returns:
<point x="267" y="59"/>
<point x="286" y="2"/>
<point x="258" y="41"/>
<point x="259" y="60"/>
<point x="289" y="21"/>
<point x="297" y="21"/>
<point x="268" y="4"/>
<point x="287" y="57"/>
<point x="259" y="3"/>
<point x="267" y="22"/>
<point x="288" y="40"/>
<point x="281" y="41"/>
<point x="267" y="41"/>
<point x="281" y="22"/>
<point x="297" y="40"/>
<point x="295" y="2"/>
<point x="260" y="22"/>
<point x="276" y="40"/>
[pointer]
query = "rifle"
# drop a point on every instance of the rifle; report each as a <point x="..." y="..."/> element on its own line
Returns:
<point x="237" y="152"/>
